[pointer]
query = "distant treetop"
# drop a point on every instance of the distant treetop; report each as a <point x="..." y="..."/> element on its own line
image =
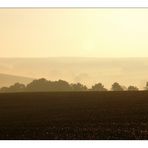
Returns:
<point x="117" y="87"/>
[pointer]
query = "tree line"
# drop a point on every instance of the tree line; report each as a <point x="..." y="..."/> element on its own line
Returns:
<point x="43" y="85"/>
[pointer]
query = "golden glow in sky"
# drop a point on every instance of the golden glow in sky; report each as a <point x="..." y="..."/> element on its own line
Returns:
<point x="74" y="32"/>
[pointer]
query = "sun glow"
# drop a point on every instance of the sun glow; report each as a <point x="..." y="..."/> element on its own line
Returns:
<point x="74" y="32"/>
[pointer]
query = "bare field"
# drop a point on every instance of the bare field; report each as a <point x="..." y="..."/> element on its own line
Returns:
<point x="74" y="115"/>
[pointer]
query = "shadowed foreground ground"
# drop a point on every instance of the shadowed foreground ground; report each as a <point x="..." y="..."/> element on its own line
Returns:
<point x="74" y="115"/>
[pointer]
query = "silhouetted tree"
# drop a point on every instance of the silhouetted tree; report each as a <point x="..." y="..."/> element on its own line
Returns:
<point x="146" y="87"/>
<point x="116" y="87"/>
<point x="132" y="88"/>
<point x="44" y="85"/>
<point x="4" y="89"/>
<point x="78" y="87"/>
<point x="61" y="85"/>
<point x="38" y="85"/>
<point x="98" y="87"/>
<point x="17" y="87"/>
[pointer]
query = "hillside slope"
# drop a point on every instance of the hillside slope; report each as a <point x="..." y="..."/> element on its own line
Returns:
<point x="7" y="80"/>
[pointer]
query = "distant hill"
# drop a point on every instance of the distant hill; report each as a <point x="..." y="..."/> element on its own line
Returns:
<point x="88" y="71"/>
<point x="7" y="80"/>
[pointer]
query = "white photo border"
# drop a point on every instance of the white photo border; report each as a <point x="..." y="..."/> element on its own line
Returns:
<point x="73" y="3"/>
<point x="14" y="4"/>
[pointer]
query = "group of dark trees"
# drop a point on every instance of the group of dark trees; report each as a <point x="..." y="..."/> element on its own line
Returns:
<point x="43" y="85"/>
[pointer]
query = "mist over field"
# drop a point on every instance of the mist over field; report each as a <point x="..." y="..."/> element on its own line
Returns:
<point x="126" y="71"/>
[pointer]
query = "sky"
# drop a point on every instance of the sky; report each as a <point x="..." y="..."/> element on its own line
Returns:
<point x="74" y="32"/>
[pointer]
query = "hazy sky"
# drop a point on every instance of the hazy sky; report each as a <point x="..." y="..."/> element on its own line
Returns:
<point x="74" y="32"/>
